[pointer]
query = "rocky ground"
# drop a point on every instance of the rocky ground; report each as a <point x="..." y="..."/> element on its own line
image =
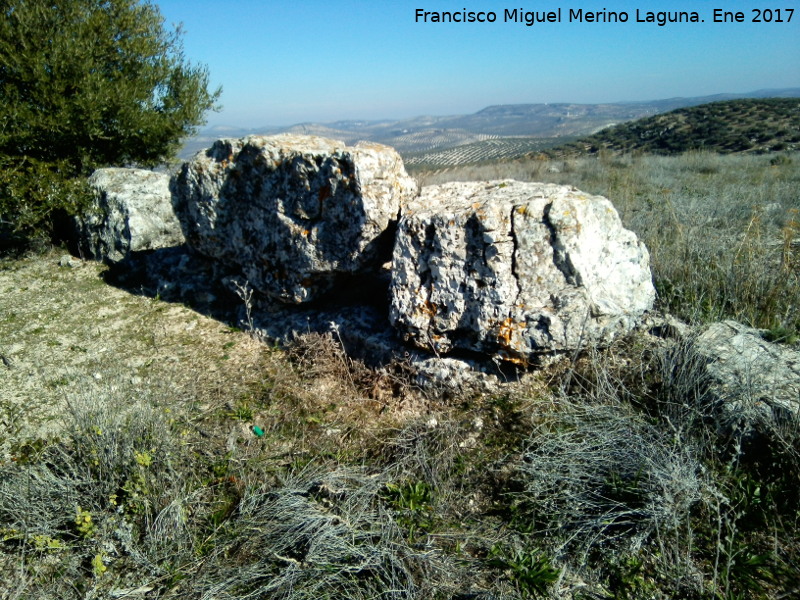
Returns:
<point x="69" y="336"/>
<point x="65" y="332"/>
<point x="154" y="440"/>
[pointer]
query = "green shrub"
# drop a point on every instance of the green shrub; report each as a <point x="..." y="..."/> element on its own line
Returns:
<point x="34" y="194"/>
<point x="531" y="571"/>
<point x="86" y="84"/>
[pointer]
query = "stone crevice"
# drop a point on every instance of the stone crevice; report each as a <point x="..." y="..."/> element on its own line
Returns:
<point x="561" y="258"/>
<point x="515" y="252"/>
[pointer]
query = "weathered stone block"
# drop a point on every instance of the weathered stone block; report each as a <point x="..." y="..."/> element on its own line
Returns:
<point x="292" y="213"/>
<point x="132" y="212"/>
<point x="513" y="269"/>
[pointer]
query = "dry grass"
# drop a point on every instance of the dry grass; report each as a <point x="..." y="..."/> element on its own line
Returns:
<point x="67" y="332"/>
<point x="638" y="483"/>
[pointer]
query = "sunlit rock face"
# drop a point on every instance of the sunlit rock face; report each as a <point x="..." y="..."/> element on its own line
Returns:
<point x="755" y="384"/>
<point x="292" y="213"/>
<point x="513" y="269"/>
<point x="131" y="212"/>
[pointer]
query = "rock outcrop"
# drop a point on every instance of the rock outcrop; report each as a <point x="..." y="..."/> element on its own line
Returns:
<point x="752" y="380"/>
<point x="503" y="270"/>
<point x="132" y="212"/>
<point x="292" y="213"/>
<point x="513" y="269"/>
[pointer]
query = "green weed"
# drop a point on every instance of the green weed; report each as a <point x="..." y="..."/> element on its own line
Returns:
<point x="530" y="570"/>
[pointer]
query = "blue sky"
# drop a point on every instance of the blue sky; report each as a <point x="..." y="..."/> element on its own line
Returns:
<point x="283" y="61"/>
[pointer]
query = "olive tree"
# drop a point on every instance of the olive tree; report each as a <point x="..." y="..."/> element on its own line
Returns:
<point x="86" y="84"/>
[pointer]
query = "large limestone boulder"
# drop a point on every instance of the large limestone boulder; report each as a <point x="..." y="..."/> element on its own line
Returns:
<point x="514" y="269"/>
<point x="132" y="211"/>
<point x="293" y="213"/>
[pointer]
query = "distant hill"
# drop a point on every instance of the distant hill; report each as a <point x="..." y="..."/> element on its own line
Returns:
<point x="476" y="152"/>
<point x="565" y="119"/>
<point x="538" y="125"/>
<point x="745" y="125"/>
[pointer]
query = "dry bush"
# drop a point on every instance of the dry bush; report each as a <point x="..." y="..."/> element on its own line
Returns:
<point x="105" y="493"/>
<point x="329" y="391"/>
<point x="639" y="483"/>
<point x="322" y="535"/>
<point x="121" y="502"/>
<point x="321" y="357"/>
<point x="604" y="479"/>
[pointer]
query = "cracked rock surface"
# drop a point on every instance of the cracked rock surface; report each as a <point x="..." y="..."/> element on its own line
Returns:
<point x="750" y="376"/>
<point x="132" y="212"/>
<point x="292" y="213"/>
<point x="513" y="269"/>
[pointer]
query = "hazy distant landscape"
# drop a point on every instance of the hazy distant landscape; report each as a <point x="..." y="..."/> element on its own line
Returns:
<point x="495" y="132"/>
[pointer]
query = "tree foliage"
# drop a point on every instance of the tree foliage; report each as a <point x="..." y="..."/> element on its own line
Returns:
<point x="86" y="84"/>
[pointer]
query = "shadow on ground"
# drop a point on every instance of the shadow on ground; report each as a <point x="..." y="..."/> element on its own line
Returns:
<point x="356" y="313"/>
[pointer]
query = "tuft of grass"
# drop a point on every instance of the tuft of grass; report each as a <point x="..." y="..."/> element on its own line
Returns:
<point x="530" y="570"/>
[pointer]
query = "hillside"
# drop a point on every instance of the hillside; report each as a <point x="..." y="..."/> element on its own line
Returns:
<point x="733" y="126"/>
<point x="475" y="152"/>
<point x="542" y="124"/>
